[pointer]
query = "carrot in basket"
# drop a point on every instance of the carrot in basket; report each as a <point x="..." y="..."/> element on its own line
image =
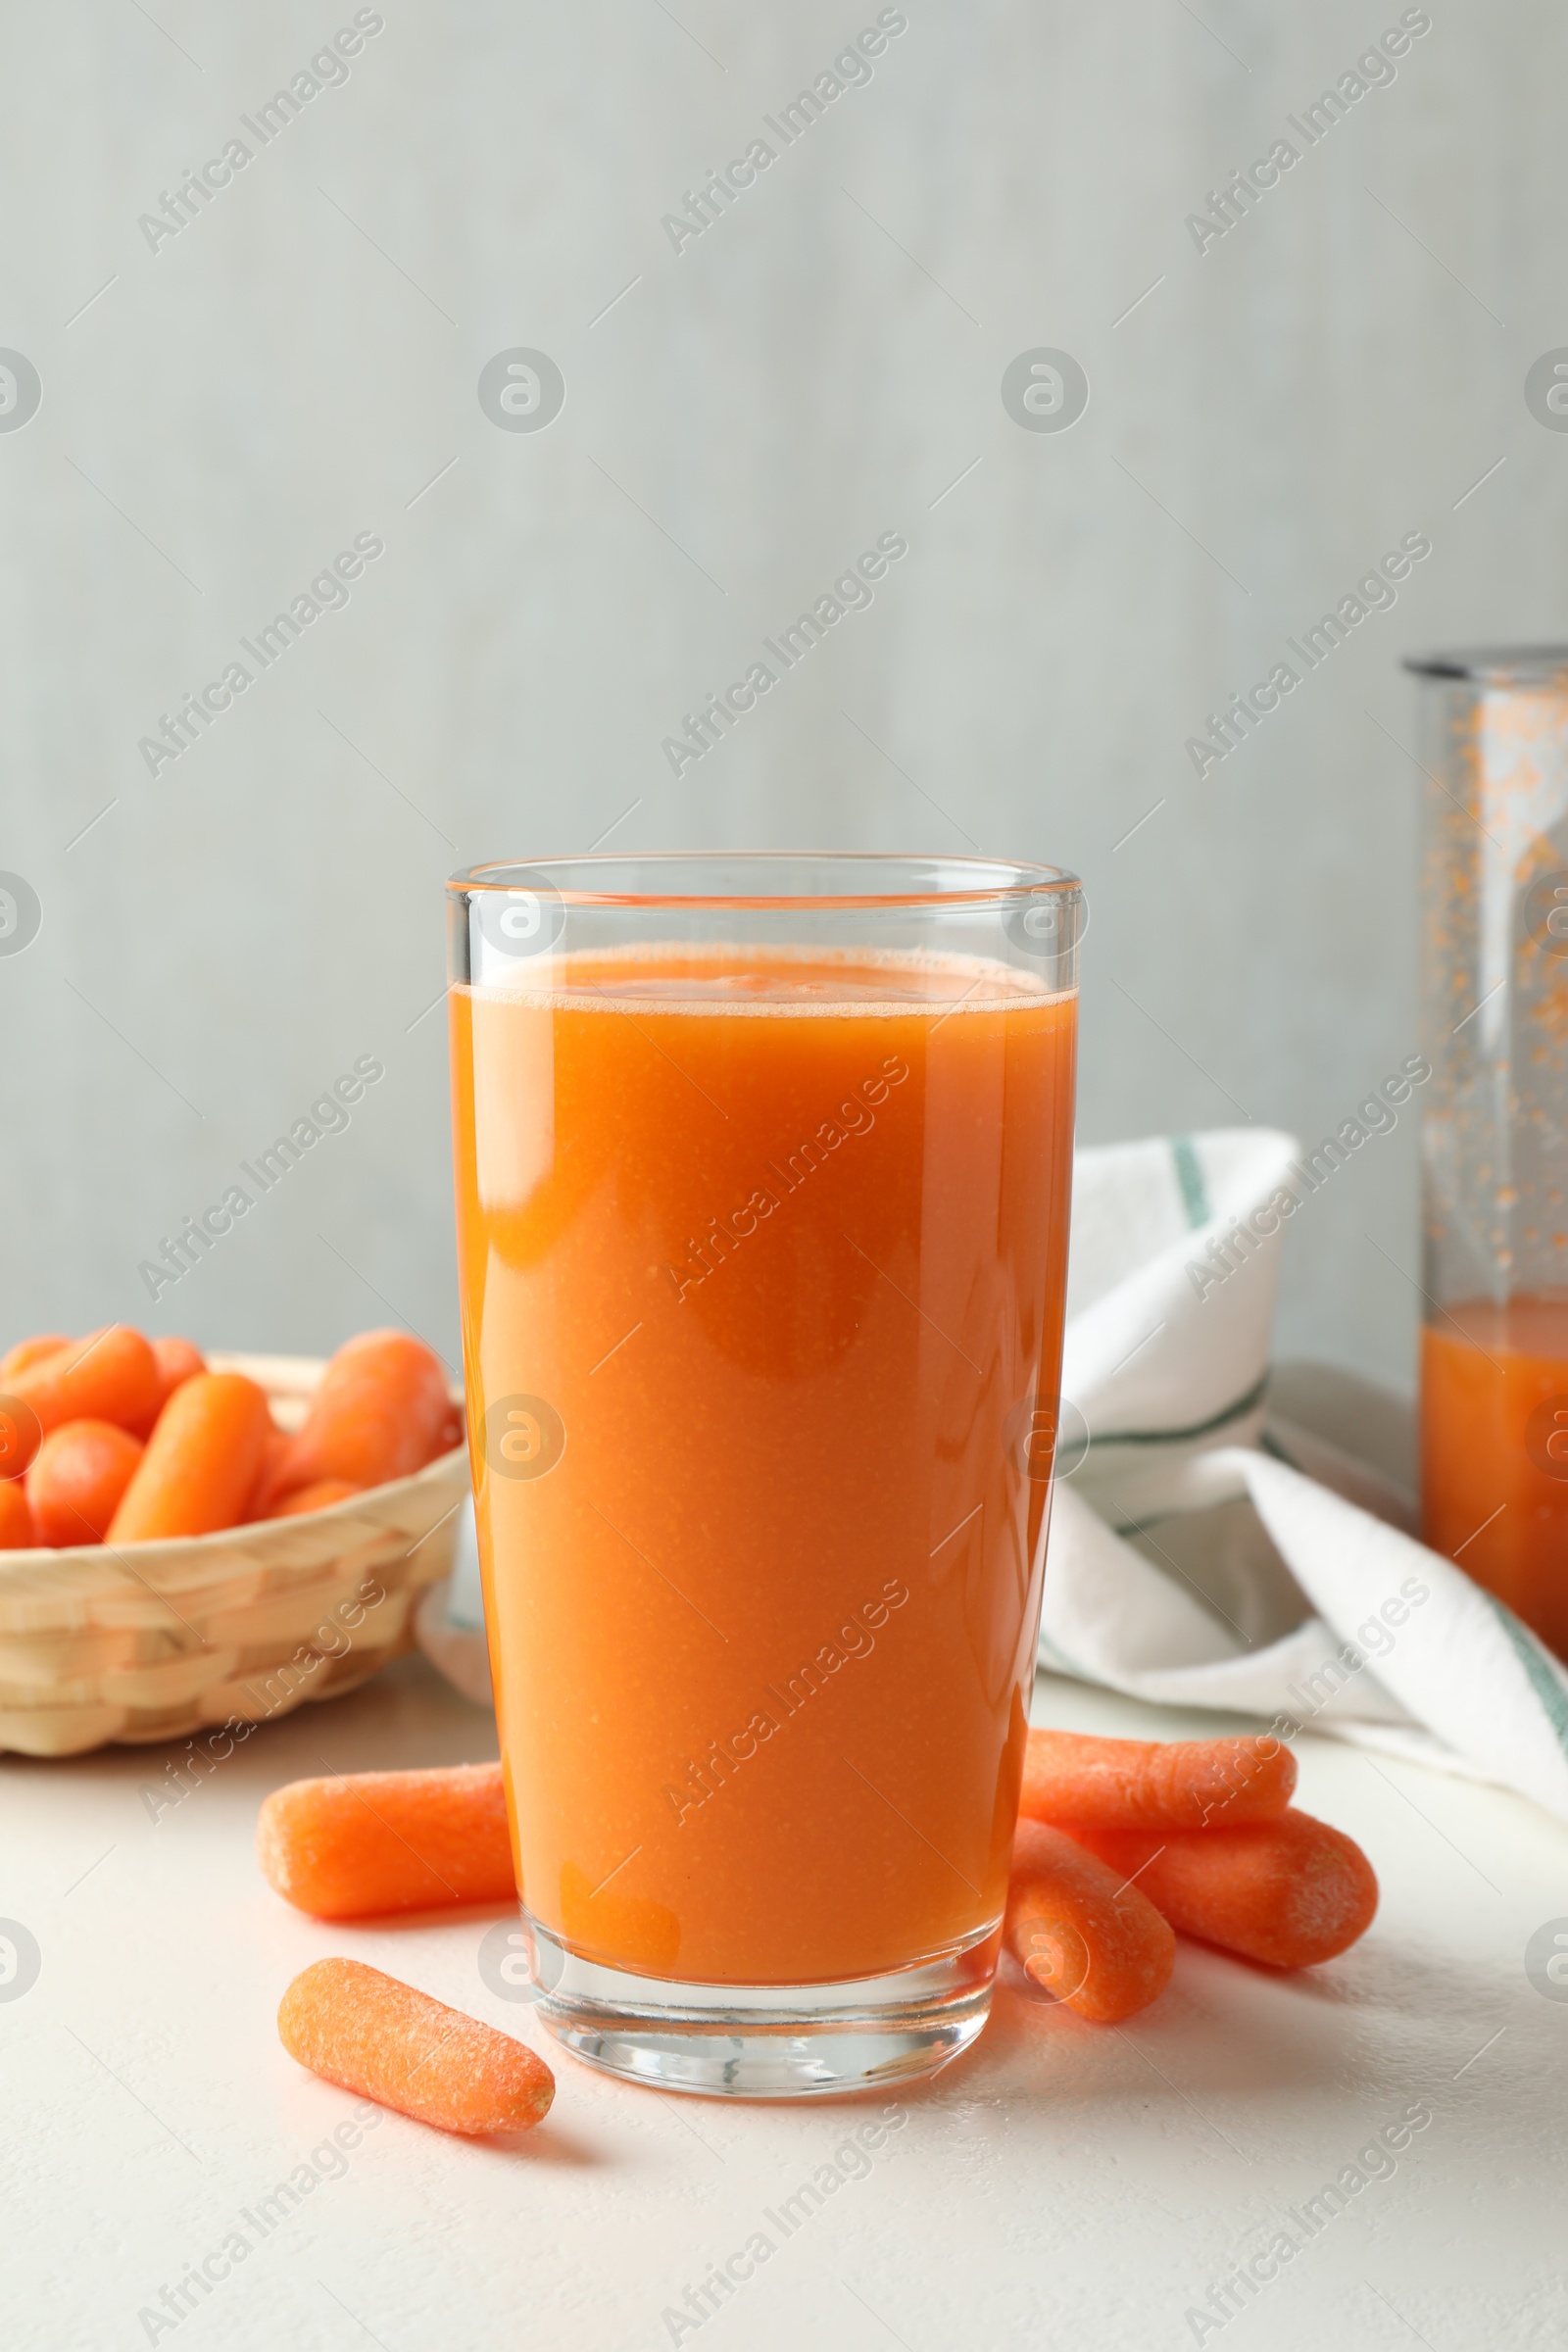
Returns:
<point x="1071" y="1777"/>
<point x="1288" y="1892"/>
<point x="274" y="1446"/>
<point x="178" y="1361"/>
<point x="1080" y="1931"/>
<point x="16" y="1518"/>
<point x="368" y="1842"/>
<point x="112" y="1375"/>
<point x="382" y="1411"/>
<point x="31" y="1351"/>
<point x="368" y="2033"/>
<point x="200" y="1462"/>
<point x="319" y="1497"/>
<point x="20" y="1437"/>
<point x="78" y="1477"/>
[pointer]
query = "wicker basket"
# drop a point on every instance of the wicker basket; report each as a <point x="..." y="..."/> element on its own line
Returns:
<point x="161" y="1641"/>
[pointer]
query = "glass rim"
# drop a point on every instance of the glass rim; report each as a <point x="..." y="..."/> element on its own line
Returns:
<point x="1006" y="879"/>
<point x="1493" y="665"/>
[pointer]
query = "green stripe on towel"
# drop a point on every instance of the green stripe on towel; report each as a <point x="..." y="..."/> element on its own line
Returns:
<point x="1543" y="1678"/>
<point x="1189" y="1176"/>
<point x="1196" y="1429"/>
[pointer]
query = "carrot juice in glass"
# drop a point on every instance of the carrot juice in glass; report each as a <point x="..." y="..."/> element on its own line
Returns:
<point x="764" y="1168"/>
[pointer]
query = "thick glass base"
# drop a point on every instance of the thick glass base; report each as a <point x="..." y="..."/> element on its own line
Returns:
<point x="765" y="2042"/>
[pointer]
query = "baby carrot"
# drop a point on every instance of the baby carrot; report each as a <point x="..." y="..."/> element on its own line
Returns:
<point x="274" y="1446"/>
<point x="1288" y="1892"/>
<point x="16" y="1518"/>
<point x="178" y="1361"/>
<point x="78" y="1477"/>
<point x="318" y="1497"/>
<point x="200" y="1462"/>
<point x="20" y="1437"/>
<point x="1071" y="1777"/>
<point x="368" y="2033"/>
<point x="1083" y="1932"/>
<point x="112" y="1375"/>
<point x="377" y="1842"/>
<point x="31" y="1351"/>
<point x="382" y="1411"/>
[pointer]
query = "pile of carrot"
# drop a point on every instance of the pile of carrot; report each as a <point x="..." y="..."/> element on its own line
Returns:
<point x="1123" y="1841"/>
<point x="118" y="1438"/>
<point x="364" y="1845"/>
<point x="1120" y="1844"/>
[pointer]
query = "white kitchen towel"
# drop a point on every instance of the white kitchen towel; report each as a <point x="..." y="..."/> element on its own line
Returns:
<point x="1190" y="1563"/>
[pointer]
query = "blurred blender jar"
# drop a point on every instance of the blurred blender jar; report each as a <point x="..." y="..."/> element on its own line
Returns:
<point x="1495" y="1127"/>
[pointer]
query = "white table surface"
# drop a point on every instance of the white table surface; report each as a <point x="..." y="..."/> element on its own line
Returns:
<point x="1062" y="2186"/>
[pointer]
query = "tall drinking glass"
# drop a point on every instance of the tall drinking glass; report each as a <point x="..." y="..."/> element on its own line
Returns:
<point x="1495" y="1126"/>
<point x="764" y="1168"/>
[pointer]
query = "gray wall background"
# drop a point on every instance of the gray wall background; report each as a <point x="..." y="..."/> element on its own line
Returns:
<point x="300" y="362"/>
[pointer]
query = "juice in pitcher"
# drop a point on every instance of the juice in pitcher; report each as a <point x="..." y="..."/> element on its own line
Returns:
<point x="762" y="1245"/>
<point x="1495" y="1123"/>
<point x="1495" y="1451"/>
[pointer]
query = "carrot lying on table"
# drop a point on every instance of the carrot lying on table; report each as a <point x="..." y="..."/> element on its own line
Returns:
<point x="31" y="1351"/>
<point x="1072" y="1777"/>
<point x="382" y="1411"/>
<point x="1288" y="1892"/>
<point x="1080" y="1931"/>
<point x="112" y="1375"/>
<point x="376" y="1842"/>
<point x="16" y="1518"/>
<point x="200" y="1462"/>
<point x="78" y="1477"/>
<point x="367" y="2032"/>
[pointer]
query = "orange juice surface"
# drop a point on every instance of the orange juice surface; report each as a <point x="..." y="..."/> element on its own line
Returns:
<point x="762" y="1264"/>
<point x="1495" y="1452"/>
